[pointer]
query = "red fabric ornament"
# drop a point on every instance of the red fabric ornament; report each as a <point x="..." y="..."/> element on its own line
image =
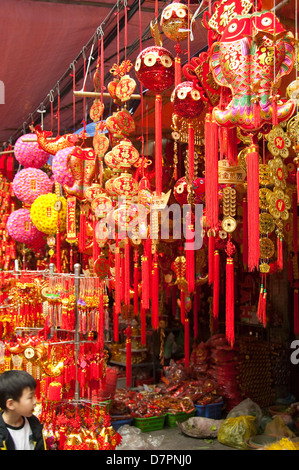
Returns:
<point x="136" y="280"/>
<point x="230" y="293"/>
<point x="128" y="333"/>
<point x="211" y="245"/>
<point x="280" y="252"/>
<point x="195" y="313"/>
<point x="189" y="253"/>
<point x="253" y="207"/>
<point x="296" y="312"/>
<point x="295" y="224"/>
<point x="127" y="273"/>
<point x="82" y="233"/>
<point x="158" y="144"/>
<point x="211" y="172"/>
<point x="117" y="278"/>
<point x="154" y="68"/>
<point x="186" y="100"/>
<point x="187" y="342"/>
<point x="245" y="233"/>
<point x="216" y="285"/>
<point x="155" y="292"/>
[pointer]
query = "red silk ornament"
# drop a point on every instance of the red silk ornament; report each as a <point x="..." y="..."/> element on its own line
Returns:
<point x="127" y="273"/>
<point x="232" y="146"/>
<point x="253" y="207"/>
<point x="182" y="307"/>
<point x="195" y="313"/>
<point x="158" y="144"/>
<point x="100" y="338"/>
<point x="58" y="248"/>
<point x="117" y="278"/>
<point x="245" y="233"/>
<point x="187" y="342"/>
<point x="136" y="280"/>
<point x="211" y="245"/>
<point x="191" y="152"/>
<point x="155" y="293"/>
<point x="95" y="245"/>
<point x="216" y="285"/>
<point x="229" y="327"/>
<point x="260" y="303"/>
<point x="189" y="253"/>
<point x="128" y="333"/>
<point x="211" y="171"/>
<point x="177" y="71"/>
<point x="295" y="224"/>
<point x="280" y="252"/>
<point x="145" y="274"/>
<point x="296" y="312"/>
<point x="115" y="325"/>
<point x="143" y="325"/>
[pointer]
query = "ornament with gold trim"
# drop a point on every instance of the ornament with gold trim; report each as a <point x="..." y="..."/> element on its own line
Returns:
<point x="175" y="21"/>
<point x="154" y="68"/>
<point x="186" y="100"/>
<point x="278" y="142"/>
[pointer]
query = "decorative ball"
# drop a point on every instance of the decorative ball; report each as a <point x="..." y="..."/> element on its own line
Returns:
<point x="61" y="172"/>
<point x="180" y="191"/>
<point x="199" y="187"/>
<point x="45" y="216"/>
<point x="30" y="183"/>
<point x="21" y="228"/>
<point x="29" y="154"/>
<point x="174" y="19"/>
<point x="186" y="100"/>
<point x="55" y="391"/>
<point x="155" y="69"/>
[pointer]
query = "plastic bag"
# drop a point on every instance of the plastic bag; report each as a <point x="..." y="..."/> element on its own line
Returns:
<point x="245" y="408"/>
<point x="234" y="432"/>
<point x="278" y="428"/>
<point x="200" y="427"/>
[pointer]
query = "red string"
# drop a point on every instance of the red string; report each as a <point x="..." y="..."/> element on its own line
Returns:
<point x="58" y="114"/>
<point x="102" y="67"/>
<point x="126" y="31"/>
<point x="74" y="98"/>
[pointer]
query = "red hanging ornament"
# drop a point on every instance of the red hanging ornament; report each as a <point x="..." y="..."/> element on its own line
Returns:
<point x="128" y="333"/>
<point x="136" y="280"/>
<point x="127" y="273"/>
<point x="279" y="252"/>
<point x="189" y="253"/>
<point x="187" y="341"/>
<point x="211" y="246"/>
<point x="216" y="285"/>
<point x="211" y="171"/>
<point x="253" y="207"/>
<point x="195" y="313"/>
<point x="155" y="292"/>
<point x="245" y="233"/>
<point x="296" y="312"/>
<point x="230" y="294"/>
<point x="117" y="278"/>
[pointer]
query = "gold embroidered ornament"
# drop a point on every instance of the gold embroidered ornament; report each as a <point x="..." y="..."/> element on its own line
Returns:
<point x="278" y="142"/>
<point x="278" y="172"/>
<point x="279" y="204"/>
<point x="267" y="249"/>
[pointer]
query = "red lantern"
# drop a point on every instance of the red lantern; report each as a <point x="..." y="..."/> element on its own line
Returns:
<point x="154" y="68"/>
<point x="186" y="100"/>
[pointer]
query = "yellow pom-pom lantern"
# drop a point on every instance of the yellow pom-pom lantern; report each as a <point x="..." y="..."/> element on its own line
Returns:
<point x="47" y="211"/>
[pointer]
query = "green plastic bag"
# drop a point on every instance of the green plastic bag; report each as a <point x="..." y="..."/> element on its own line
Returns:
<point x="234" y="432"/>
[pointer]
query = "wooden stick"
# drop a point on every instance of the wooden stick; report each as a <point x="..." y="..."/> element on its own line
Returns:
<point x="94" y="94"/>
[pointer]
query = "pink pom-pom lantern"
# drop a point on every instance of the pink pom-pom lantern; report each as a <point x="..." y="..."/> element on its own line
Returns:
<point x="155" y="69"/>
<point x="30" y="183"/>
<point x="21" y="228"/>
<point x="61" y="172"/>
<point x="29" y="154"/>
<point x="187" y="101"/>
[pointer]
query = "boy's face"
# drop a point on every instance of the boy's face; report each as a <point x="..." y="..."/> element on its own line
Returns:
<point x="26" y="404"/>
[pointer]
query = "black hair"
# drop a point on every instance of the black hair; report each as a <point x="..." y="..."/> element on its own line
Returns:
<point x="12" y="384"/>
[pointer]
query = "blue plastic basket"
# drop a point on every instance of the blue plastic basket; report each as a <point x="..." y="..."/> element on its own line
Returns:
<point x="212" y="411"/>
<point x="121" y="422"/>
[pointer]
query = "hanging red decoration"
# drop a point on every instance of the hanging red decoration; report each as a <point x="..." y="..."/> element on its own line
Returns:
<point x="211" y="172"/>
<point x="253" y="207"/>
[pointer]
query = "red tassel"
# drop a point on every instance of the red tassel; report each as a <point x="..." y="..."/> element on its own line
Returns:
<point x="117" y="288"/>
<point x="230" y="329"/>
<point x="295" y="224"/>
<point x="211" y="246"/>
<point x="136" y="280"/>
<point x="145" y="276"/>
<point x="128" y="332"/>
<point x="177" y="71"/>
<point x="143" y="325"/>
<point x="189" y="253"/>
<point x="264" y="308"/>
<point x="58" y="249"/>
<point x="232" y="146"/>
<point x="182" y="307"/>
<point x="187" y="342"/>
<point x="195" y="313"/>
<point x="245" y="233"/>
<point x="253" y="207"/>
<point x="127" y="273"/>
<point x="191" y="152"/>
<point x="100" y="328"/>
<point x="211" y="172"/>
<point x="95" y="245"/>
<point x="155" y="293"/>
<point x="297" y="181"/>
<point x="216" y="285"/>
<point x="274" y="111"/>
<point x="115" y="325"/>
<point x="296" y="312"/>
<point x="256" y="114"/>
<point x="279" y="253"/>
<point x="158" y="144"/>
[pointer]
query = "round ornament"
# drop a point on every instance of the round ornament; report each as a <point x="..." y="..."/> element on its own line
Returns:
<point x="21" y="228"/>
<point x="45" y="217"/>
<point x="266" y="248"/>
<point x="180" y="191"/>
<point x="278" y="142"/>
<point x="29" y="154"/>
<point x="266" y="223"/>
<point x="61" y="172"/>
<point x="186" y="100"/>
<point x="175" y="21"/>
<point x="154" y="68"/>
<point x="30" y="183"/>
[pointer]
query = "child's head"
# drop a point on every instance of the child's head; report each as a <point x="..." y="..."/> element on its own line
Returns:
<point x="13" y="385"/>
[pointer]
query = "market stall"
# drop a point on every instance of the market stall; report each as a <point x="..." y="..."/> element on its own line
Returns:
<point x="149" y="259"/>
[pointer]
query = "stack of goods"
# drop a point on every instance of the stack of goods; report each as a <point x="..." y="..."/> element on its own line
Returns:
<point x="223" y="369"/>
<point x="255" y="371"/>
<point x="215" y="361"/>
